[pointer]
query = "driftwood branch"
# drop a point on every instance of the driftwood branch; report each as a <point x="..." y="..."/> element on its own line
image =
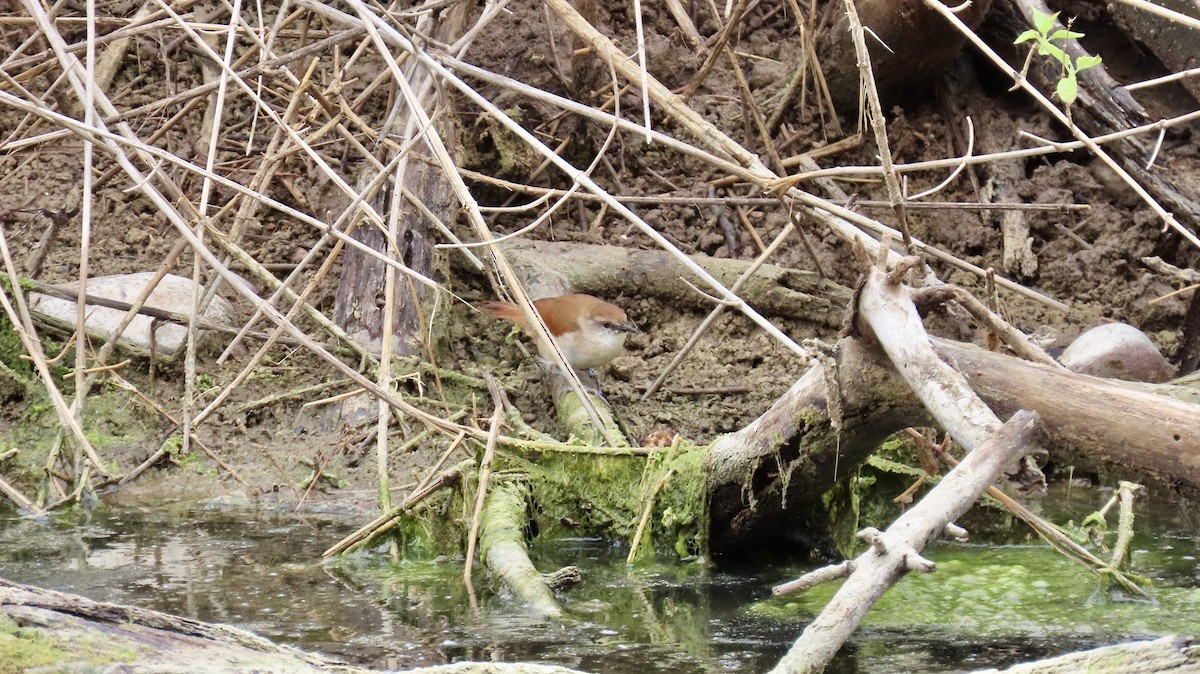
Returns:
<point x="781" y="464"/>
<point x="885" y="307"/>
<point x="896" y="552"/>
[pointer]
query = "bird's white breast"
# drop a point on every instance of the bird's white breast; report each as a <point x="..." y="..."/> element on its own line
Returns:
<point x="591" y="348"/>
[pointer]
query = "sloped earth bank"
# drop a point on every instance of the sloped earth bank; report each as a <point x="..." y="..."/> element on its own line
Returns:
<point x="1089" y="259"/>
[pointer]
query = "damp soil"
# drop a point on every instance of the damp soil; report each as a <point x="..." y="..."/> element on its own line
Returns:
<point x="260" y="452"/>
<point x="1089" y="259"/>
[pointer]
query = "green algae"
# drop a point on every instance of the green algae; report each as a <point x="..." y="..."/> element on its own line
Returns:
<point x="24" y="648"/>
<point x="1005" y="592"/>
<point x="573" y="494"/>
<point x="503" y="518"/>
<point x="583" y="494"/>
<point x="841" y="505"/>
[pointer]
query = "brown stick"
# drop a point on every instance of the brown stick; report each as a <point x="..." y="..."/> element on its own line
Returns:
<point x="387" y="520"/>
<point x="1015" y="339"/>
<point x="485" y="474"/>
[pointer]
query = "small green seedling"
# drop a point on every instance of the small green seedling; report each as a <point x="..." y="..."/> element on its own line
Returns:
<point x="1067" y="88"/>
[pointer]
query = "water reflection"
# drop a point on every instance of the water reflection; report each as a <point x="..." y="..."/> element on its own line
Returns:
<point x="261" y="571"/>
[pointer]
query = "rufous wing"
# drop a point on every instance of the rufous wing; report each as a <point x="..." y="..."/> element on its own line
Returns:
<point x="561" y="314"/>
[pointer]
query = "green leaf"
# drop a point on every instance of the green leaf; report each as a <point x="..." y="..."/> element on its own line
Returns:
<point x="1047" y="49"/>
<point x="1064" y="34"/>
<point x="1067" y="90"/>
<point x="1044" y="23"/>
<point x="1027" y="36"/>
<point x="1039" y="19"/>
<point x="1086" y="62"/>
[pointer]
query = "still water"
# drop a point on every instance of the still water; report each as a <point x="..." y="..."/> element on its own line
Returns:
<point x="987" y="606"/>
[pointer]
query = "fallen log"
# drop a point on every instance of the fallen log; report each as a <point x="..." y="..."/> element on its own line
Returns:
<point x="774" y="472"/>
<point x="1146" y="431"/>
<point x="1175" y="654"/>
<point x="66" y="632"/>
<point x="502" y="547"/>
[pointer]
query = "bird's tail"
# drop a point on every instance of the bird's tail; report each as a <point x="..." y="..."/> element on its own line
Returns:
<point x="505" y="310"/>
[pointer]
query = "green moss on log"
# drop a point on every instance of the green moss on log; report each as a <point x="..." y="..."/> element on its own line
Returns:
<point x="605" y="495"/>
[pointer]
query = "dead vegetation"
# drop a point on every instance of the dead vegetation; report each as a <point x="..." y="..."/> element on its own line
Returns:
<point x="356" y="177"/>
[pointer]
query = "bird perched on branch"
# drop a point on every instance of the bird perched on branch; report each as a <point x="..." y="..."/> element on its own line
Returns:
<point x="589" y="331"/>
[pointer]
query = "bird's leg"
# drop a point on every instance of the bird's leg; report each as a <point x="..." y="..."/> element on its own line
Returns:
<point x="594" y="387"/>
<point x="589" y="378"/>
<point x="591" y="383"/>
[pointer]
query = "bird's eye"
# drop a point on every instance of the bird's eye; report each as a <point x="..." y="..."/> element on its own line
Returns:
<point x="607" y="325"/>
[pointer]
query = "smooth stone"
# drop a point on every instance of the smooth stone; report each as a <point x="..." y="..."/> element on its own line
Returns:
<point x="173" y="293"/>
<point x="1117" y="351"/>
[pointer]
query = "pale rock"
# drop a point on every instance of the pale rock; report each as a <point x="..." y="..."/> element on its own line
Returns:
<point x="173" y="293"/>
<point x="1117" y="351"/>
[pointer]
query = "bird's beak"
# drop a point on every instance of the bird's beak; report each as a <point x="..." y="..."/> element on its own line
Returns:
<point x="626" y="327"/>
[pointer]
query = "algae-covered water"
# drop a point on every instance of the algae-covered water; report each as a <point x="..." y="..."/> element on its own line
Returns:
<point x="986" y="605"/>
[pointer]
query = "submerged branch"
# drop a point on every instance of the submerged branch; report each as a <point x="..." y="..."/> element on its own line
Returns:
<point x="502" y="547"/>
<point x="897" y="551"/>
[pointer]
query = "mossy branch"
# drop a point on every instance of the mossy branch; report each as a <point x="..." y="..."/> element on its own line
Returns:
<point x="503" y="522"/>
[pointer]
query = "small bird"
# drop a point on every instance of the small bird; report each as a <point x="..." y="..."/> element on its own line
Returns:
<point x="589" y="331"/>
